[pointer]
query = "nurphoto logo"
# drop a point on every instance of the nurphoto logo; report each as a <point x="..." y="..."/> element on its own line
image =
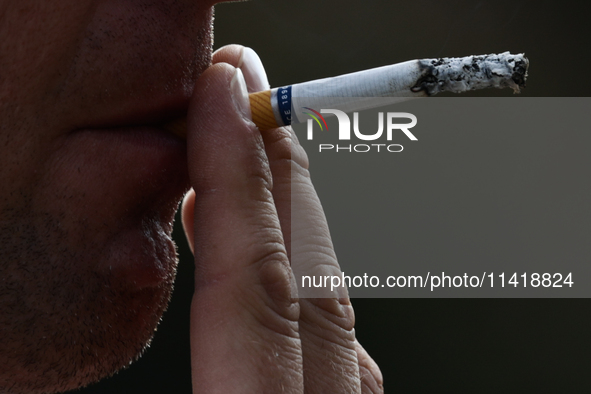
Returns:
<point x="344" y="132"/>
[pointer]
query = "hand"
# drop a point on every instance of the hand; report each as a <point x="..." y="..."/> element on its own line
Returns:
<point x="248" y="333"/>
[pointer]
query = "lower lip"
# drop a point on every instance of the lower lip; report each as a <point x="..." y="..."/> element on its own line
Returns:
<point x="144" y="171"/>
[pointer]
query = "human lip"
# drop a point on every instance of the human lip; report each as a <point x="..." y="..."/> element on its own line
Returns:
<point x="143" y="173"/>
<point x="141" y="146"/>
<point x="135" y="136"/>
<point x="154" y="113"/>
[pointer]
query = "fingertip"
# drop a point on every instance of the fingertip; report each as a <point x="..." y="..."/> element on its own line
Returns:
<point x="219" y="104"/>
<point x="254" y="72"/>
<point x="222" y="141"/>
<point x="230" y="54"/>
<point x="212" y="102"/>
<point x="248" y="61"/>
<point x="188" y="218"/>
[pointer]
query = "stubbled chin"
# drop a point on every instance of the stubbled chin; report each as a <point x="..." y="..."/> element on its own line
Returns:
<point x="121" y="189"/>
<point x="142" y="257"/>
<point x="96" y="306"/>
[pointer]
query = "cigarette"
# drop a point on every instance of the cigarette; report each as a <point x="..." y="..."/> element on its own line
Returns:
<point x="357" y="91"/>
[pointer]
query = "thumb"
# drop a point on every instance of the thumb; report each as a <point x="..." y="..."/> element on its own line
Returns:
<point x="243" y="313"/>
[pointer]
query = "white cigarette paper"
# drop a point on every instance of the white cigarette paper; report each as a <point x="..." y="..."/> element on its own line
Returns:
<point x="380" y="86"/>
<point x="415" y="78"/>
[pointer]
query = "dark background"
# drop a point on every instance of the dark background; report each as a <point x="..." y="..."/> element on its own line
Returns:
<point x="421" y="345"/>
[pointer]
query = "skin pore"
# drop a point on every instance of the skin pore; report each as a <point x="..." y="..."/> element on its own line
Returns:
<point x="87" y="262"/>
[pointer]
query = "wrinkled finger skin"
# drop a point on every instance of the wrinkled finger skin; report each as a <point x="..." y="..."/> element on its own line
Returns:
<point x="248" y="331"/>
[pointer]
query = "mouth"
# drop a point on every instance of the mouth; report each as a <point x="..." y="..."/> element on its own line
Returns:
<point x="153" y="112"/>
<point x="135" y="172"/>
<point x="141" y="147"/>
<point x="126" y="172"/>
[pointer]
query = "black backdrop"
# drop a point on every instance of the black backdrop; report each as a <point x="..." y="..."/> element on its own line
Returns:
<point x="427" y="345"/>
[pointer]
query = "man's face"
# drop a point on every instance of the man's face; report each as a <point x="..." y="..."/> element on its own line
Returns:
<point x="90" y="183"/>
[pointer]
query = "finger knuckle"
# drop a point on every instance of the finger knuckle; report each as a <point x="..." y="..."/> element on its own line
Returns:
<point x="277" y="279"/>
<point x="371" y="382"/>
<point x="330" y="319"/>
<point x="284" y="149"/>
<point x="274" y="302"/>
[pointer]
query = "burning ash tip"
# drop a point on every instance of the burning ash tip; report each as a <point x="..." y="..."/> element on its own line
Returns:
<point x="459" y="75"/>
<point x="519" y="75"/>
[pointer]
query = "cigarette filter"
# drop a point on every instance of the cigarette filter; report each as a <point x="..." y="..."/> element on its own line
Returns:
<point x="355" y="92"/>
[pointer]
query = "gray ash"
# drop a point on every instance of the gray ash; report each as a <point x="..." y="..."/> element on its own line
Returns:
<point x="459" y="75"/>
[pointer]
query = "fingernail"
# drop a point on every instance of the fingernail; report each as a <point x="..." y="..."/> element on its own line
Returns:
<point x="240" y="94"/>
<point x="254" y="72"/>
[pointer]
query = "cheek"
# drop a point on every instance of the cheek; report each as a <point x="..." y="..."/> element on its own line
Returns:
<point x="39" y="40"/>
